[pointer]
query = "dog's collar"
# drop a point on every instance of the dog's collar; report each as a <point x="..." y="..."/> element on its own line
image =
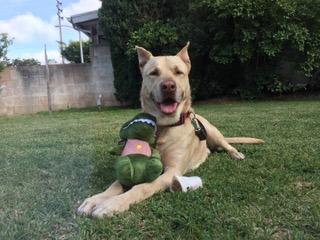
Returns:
<point x="183" y="117"/>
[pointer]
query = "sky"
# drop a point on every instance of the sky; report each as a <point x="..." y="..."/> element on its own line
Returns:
<point x="31" y="25"/>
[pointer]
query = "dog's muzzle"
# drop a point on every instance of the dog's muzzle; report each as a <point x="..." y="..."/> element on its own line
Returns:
<point x="169" y="103"/>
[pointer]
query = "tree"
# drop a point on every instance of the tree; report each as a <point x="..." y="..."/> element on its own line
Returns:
<point x="236" y="48"/>
<point x="72" y="51"/>
<point x="253" y="38"/>
<point x="24" y="62"/>
<point x="145" y="23"/>
<point x="4" y="44"/>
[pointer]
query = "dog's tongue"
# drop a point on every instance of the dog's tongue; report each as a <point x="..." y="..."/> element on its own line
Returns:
<point x="168" y="108"/>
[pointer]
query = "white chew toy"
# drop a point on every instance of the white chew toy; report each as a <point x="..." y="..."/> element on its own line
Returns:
<point x="185" y="184"/>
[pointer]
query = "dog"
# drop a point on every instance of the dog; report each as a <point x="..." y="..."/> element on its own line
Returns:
<point x="166" y="94"/>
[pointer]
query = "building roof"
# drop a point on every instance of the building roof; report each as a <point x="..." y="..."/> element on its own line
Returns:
<point x="84" y="17"/>
<point x="85" y="21"/>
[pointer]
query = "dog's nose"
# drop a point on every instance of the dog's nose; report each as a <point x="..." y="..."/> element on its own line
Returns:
<point x="168" y="86"/>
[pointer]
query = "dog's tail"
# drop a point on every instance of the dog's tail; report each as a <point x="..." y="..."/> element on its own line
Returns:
<point x="244" y="140"/>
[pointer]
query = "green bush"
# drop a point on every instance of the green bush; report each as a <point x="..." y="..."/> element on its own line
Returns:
<point x="24" y="62"/>
<point x="237" y="46"/>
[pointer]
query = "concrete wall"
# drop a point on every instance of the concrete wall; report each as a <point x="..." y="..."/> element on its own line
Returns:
<point x="72" y="85"/>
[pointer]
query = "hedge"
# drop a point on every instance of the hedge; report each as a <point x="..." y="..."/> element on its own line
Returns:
<point x="238" y="47"/>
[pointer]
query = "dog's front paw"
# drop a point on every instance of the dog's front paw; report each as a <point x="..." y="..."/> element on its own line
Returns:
<point x="90" y="203"/>
<point x="236" y="155"/>
<point x="110" y="207"/>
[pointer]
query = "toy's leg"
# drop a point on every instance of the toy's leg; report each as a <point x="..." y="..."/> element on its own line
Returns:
<point x="153" y="169"/>
<point x="124" y="170"/>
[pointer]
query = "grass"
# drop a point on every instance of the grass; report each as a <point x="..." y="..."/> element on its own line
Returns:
<point x="48" y="165"/>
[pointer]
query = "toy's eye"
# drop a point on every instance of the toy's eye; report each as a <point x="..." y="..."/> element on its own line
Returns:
<point x="155" y="72"/>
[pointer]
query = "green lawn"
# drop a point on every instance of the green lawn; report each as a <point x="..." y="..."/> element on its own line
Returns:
<point x="48" y="165"/>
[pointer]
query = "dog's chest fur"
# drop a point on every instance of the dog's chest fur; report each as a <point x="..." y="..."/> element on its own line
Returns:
<point x="181" y="148"/>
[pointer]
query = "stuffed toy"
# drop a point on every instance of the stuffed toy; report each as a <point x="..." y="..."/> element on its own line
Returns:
<point x="139" y="161"/>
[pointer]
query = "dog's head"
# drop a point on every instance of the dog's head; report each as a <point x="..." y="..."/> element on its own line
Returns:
<point x="165" y="91"/>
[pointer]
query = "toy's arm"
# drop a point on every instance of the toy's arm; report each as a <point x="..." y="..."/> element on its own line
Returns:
<point x="116" y="150"/>
<point x="155" y="153"/>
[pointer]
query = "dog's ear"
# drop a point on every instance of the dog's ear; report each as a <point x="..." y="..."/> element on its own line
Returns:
<point x="183" y="54"/>
<point x="143" y="55"/>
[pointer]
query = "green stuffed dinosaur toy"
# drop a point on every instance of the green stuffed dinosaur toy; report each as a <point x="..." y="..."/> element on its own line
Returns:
<point x="139" y="161"/>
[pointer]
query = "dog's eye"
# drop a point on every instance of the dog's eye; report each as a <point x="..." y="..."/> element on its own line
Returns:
<point x="178" y="71"/>
<point x="155" y="72"/>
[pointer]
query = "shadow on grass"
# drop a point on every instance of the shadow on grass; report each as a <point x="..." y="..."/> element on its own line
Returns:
<point x="102" y="174"/>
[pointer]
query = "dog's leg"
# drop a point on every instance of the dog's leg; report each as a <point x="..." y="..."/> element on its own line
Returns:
<point x="216" y="139"/>
<point x="91" y="202"/>
<point x="136" y="194"/>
